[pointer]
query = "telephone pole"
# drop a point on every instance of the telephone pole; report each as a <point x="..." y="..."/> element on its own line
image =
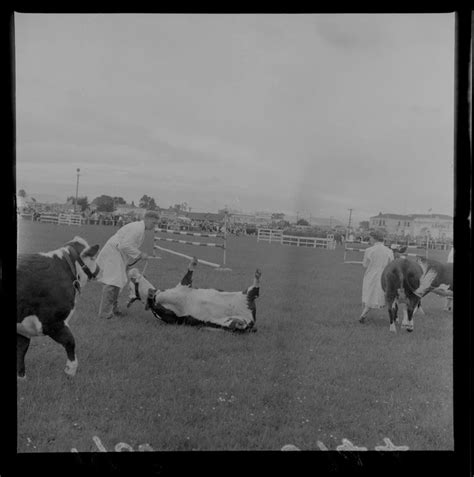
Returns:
<point x="77" y="188"/>
<point x="349" y="223"/>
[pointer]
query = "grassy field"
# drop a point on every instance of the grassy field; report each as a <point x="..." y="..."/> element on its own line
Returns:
<point x="311" y="373"/>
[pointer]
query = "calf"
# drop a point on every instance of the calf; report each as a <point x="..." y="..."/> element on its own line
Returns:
<point x="400" y="279"/>
<point x="234" y="311"/>
<point x="437" y="277"/>
<point x="48" y="285"/>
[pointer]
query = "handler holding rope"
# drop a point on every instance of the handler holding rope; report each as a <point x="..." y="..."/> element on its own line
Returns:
<point x="376" y="258"/>
<point x="119" y="252"/>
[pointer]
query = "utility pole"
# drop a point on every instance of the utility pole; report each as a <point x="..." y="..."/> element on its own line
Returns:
<point x="77" y="188"/>
<point x="349" y="223"/>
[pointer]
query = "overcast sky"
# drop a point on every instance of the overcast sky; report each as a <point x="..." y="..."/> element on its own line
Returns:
<point x="313" y="114"/>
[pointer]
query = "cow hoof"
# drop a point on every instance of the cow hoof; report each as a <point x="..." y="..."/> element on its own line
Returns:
<point x="71" y="368"/>
<point x="393" y="329"/>
<point x="409" y="329"/>
<point x="21" y="378"/>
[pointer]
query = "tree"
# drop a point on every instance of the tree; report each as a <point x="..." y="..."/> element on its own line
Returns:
<point x="278" y="216"/>
<point x="183" y="207"/>
<point x="302" y="222"/>
<point x="147" y="203"/>
<point x="104" y="203"/>
<point x="119" y="201"/>
<point x="22" y="193"/>
<point x="82" y="202"/>
<point x="364" y="225"/>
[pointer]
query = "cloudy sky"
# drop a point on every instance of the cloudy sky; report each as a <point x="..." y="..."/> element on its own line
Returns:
<point x="312" y="114"/>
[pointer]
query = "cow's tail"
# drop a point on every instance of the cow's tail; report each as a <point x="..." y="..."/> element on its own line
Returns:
<point x="401" y="294"/>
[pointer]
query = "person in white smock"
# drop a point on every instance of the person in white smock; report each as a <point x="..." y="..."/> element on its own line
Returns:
<point x="121" y="251"/>
<point x="376" y="258"/>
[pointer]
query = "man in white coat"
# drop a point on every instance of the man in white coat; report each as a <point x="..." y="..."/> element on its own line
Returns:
<point x="376" y="258"/>
<point x="119" y="252"/>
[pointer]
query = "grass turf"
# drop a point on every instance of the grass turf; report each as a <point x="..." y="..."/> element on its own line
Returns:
<point x="311" y="373"/>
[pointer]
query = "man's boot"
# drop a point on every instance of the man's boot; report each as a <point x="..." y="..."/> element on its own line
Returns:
<point x="108" y="301"/>
<point x="116" y="309"/>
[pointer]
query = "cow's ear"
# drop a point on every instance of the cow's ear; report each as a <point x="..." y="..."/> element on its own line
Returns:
<point x="91" y="251"/>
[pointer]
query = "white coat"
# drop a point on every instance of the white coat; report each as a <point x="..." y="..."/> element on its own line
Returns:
<point x="119" y="251"/>
<point x="376" y="258"/>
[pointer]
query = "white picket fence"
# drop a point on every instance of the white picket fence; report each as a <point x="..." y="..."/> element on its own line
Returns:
<point x="61" y="219"/>
<point x="273" y="235"/>
<point x="49" y="218"/>
<point x="270" y="235"/>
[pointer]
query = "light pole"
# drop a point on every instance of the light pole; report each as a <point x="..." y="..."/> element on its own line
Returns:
<point x="349" y="224"/>
<point x="77" y="188"/>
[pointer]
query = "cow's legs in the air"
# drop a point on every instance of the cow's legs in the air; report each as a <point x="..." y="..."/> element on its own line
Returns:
<point x="252" y="293"/>
<point x="187" y="280"/>
<point x="253" y="290"/>
<point x="22" y="344"/>
<point x="62" y="335"/>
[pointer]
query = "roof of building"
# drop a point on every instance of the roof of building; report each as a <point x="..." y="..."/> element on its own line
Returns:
<point x="392" y="216"/>
<point x="432" y="216"/>
<point x="411" y="216"/>
<point x="205" y="216"/>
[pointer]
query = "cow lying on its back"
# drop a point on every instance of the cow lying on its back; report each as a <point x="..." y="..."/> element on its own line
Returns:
<point x="235" y="311"/>
<point x="47" y="287"/>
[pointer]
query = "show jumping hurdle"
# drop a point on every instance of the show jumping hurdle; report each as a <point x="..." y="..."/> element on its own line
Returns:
<point x="223" y="245"/>
<point x="273" y="235"/>
<point x="354" y="249"/>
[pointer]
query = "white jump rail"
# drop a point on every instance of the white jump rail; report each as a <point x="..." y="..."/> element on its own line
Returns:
<point x="221" y="236"/>
<point x="363" y="249"/>
<point x="273" y="235"/>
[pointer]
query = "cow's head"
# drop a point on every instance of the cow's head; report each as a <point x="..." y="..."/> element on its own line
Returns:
<point x="140" y="288"/>
<point x="85" y="255"/>
<point x="430" y="278"/>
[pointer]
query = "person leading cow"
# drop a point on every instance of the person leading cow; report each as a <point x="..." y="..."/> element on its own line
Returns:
<point x="376" y="258"/>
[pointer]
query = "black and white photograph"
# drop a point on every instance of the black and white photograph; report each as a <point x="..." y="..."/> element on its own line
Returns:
<point x="235" y="231"/>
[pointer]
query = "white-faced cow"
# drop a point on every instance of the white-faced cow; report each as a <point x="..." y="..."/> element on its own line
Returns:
<point x="437" y="277"/>
<point x="400" y="279"/>
<point x="202" y="307"/>
<point x="48" y="285"/>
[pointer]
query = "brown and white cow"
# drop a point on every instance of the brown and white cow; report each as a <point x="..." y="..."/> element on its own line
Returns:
<point x="48" y="285"/>
<point x="204" y="307"/>
<point x="400" y="280"/>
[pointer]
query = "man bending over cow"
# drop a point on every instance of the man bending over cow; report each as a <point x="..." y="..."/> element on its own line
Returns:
<point x="121" y="251"/>
<point x="205" y="307"/>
